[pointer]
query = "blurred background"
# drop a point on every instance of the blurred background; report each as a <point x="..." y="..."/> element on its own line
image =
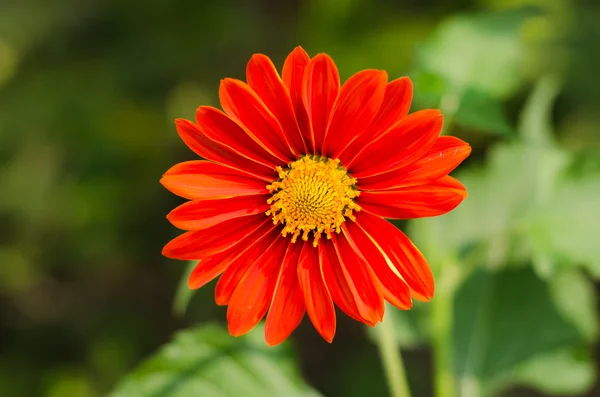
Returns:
<point x="88" y="93"/>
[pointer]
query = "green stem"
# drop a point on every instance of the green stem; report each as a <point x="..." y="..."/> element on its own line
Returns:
<point x="441" y="313"/>
<point x="392" y="360"/>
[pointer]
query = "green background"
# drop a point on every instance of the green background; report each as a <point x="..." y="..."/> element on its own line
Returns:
<point x="88" y="93"/>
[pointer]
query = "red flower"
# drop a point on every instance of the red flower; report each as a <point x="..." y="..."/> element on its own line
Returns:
<point x="288" y="206"/>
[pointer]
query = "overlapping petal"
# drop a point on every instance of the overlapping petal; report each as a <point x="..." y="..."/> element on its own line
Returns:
<point x="252" y="250"/>
<point x="292" y="75"/>
<point x="405" y="258"/>
<point x="287" y="305"/>
<point x="431" y="199"/>
<point x="395" y="290"/>
<point x="220" y="128"/>
<point x="357" y="104"/>
<point x="320" y="88"/>
<point x="211" y="267"/>
<point x="199" y="244"/>
<point x="317" y="299"/>
<point x="404" y="143"/>
<point x="265" y="81"/>
<point x="242" y="104"/>
<point x="203" y="180"/>
<point x="444" y="156"/>
<point x="251" y="298"/>
<point x="202" y="214"/>
<point x="395" y="106"/>
<point x="211" y="150"/>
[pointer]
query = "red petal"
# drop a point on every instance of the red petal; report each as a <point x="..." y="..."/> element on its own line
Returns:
<point x="395" y="106"/>
<point x="264" y="80"/>
<point x="358" y="102"/>
<point x="209" y="268"/>
<point x="242" y="104"/>
<point x="432" y="199"/>
<point x="341" y="285"/>
<point x="202" y="214"/>
<point x="320" y="87"/>
<point x="362" y="282"/>
<point x="403" y="255"/>
<point x="445" y="155"/>
<point x="200" y="179"/>
<point x="317" y="300"/>
<point x="252" y="296"/>
<point x="234" y="274"/>
<point x="407" y="141"/>
<point x="293" y="72"/>
<point x="287" y="307"/>
<point x="219" y="127"/>
<point x="199" y="244"/>
<point x="208" y="149"/>
<point x="395" y="290"/>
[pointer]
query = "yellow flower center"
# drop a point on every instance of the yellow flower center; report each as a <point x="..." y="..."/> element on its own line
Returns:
<point x="314" y="194"/>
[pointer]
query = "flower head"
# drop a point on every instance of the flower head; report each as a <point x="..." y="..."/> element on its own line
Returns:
<point x="288" y="206"/>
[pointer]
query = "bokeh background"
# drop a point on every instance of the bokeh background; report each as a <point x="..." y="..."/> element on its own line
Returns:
<point x="88" y="93"/>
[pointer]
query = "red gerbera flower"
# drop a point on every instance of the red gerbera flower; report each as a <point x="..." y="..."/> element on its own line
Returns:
<point x="288" y="206"/>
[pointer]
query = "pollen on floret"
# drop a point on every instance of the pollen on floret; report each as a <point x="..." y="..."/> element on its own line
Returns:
<point x="313" y="194"/>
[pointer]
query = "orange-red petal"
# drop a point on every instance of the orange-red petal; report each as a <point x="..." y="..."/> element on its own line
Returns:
<point x="357" y="104"/>
<point x="320" y="87"/>
<point x="199" y="244"/>
<point x="202" y="180"/>
<point x="292" y="75"/>
<point x="265" y="81"/>
<point x="210" y="267"/>
<point x="406" y="142"/>
<point x="249" y="254"/>
<point x="350" y="286"/>
<point x="403" y="255"/>
<point x="251" y="298"/>
<point x="431" y="199"/>
<point x="287" y="306"/>
<point x="446" y="154"/>
<point x="317" y="300"/>
<point x="395" y="289"/>
<point x="202" y="214"/>
<point x="242" y="104"/>
<point x="208" y="149"/>
<point x="219" y="127"/>
<point x="395" y="106"/>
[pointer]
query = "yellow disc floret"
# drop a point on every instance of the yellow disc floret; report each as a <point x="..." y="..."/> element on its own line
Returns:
<point x="313" y="194"/>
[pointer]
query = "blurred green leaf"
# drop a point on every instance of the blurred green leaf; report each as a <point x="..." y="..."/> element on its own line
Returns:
<point x="561" y="372"/>
<point x="575" y="298"/>
<point x="481" y="51"/>
<point x="480" y="111"/>
<point x="504" y="319"/>
<point x="184" y="294"/>
<point x="566" y="226"/>
<point x="208" y="362"/>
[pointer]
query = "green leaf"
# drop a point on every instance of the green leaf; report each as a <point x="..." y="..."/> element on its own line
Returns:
<point x="566" y="227"/>
<point x="482" y="112"/>
<point x="561" y="372"/>
<point x="479" y="51"/>
<point x="575" y="298"/>
<point x="184" y="294"/>
<point x="502" y="319"/>
<point x="208" y="362"/>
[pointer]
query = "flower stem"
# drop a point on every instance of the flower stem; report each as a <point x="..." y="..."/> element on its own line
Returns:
<point x="392" y="360"/>
<point x="441" y="313"/>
